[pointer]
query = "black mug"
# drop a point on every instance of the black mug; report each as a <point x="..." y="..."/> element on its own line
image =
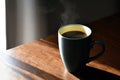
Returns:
<point x="75" y="43"/>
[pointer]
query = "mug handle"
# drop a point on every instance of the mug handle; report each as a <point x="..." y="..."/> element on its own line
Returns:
<point x="100" y="43"/>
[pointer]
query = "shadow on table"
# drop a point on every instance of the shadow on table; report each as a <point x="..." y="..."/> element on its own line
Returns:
<point x="89" y="73"/>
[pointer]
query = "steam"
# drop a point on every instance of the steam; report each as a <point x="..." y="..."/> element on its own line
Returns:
<point x="70" y="15"/>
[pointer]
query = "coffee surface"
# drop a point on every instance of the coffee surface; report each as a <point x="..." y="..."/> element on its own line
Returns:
<point x="74" y="34"/>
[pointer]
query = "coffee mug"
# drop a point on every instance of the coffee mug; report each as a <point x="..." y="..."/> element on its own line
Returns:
<point x="75" y="43"/>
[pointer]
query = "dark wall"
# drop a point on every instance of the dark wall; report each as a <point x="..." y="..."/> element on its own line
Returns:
<point x="28" y="20"/>
<point x="84" y="11"/>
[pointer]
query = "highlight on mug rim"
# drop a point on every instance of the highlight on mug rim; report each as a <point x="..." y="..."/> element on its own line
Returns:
<point x="74" y="27"/>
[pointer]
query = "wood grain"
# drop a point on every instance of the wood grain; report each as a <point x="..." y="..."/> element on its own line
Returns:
<point x="37" y="60"/>
<point x="40" y="60"/>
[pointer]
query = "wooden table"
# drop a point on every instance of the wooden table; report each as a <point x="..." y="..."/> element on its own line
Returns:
<point x="40" y="60"/>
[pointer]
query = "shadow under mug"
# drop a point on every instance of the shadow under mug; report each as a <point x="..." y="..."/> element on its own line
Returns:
<point x="74" y="48"/>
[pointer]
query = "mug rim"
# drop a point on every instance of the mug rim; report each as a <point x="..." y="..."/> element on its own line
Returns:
<point x="79" y="25"/>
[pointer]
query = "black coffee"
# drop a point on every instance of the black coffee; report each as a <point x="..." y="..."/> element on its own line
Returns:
<point x="74" y="34"/>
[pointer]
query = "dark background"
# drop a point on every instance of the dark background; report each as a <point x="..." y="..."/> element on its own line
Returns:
<point x="29" y="20"/>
